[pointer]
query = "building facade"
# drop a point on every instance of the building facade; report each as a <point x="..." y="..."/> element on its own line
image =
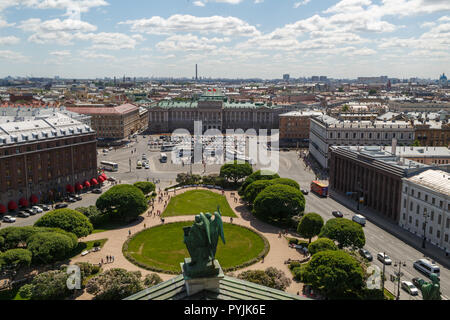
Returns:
<point x="425" y="207"/>
<point x="294" y="127"/>
<point x="432" y="133"/>
<point x="40" y="159"/>
<point x="326" y="131"/>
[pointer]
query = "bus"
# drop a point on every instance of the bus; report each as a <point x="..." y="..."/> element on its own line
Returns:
<point x="167" y="147"/>
<point x="109" y="166"/>
<point x="163" y="158"/>
<point x="319" y="188"/>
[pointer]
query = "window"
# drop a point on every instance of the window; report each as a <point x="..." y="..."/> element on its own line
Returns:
<point x="426" y="197"/>
<point x="417" y="209"/>
<point x="438" y="234"/>
<point x="417" y="223"/>
<point x="404" y="203"/>
<point x="430" y="231"/>
<point x="412" y="192"/>
<point x="447" y="223"/>
<point x="446" y="237"/>
<point x="441" y="204"/>
<point x="410" y="219"/>
<point x="418" y="195"/>
<point x="433" y="200"/>
<point x="432" y="216"/>
<point x="439" y="219"/>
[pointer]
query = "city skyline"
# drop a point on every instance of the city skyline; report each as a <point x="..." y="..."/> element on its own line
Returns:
<point x="226" y="38"/>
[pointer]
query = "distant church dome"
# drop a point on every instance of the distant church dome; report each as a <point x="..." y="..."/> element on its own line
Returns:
<point x="443" y="77"/>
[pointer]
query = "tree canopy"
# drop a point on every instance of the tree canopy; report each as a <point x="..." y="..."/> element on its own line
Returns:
<point x="346" y="232"/>
<point x="279" y="202"/>
<point x="122" y="203"/>
<point x="48" y="247"/>
<point x="321" y="244"/>
<point x="335" y="273"/>
<point x="145" y="186"/>
<point x="235" y="171"/>
<point x="310" y="225"/>
<point x="257" y="175"/>
<point x="271" y="277"/>
<point x="68" y="220"/>
<point x="115" y="284"/>
<point x="16" y="257"/>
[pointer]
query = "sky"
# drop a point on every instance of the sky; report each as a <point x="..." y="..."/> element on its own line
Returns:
<point x="226" y="38"/>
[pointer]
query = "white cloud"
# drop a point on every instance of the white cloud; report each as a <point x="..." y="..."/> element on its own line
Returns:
<point x="10" y="40"/>
<point x="198" y="3"/>
<point x="187" y="23"/>
<point x="63" y="53"/>
<point x="87" y="54"/>
<point x="301" y="3"/>
<point x="111" y="41"/>
<point x="70" y="5"/>
<point x="11" y="55"/>
<point x="189" y="42"/>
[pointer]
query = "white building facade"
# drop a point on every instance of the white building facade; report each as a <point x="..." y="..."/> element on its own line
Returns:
<point x="426" y="203"/>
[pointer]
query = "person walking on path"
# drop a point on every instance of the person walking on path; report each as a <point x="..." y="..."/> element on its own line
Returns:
<point x="129" y="233"/>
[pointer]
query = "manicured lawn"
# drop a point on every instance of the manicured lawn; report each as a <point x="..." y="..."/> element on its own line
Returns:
<point x="195" y="201"/>
<point x="162" y="246"/>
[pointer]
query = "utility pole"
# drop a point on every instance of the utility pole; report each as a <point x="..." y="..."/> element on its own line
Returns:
<point x="383" y="275"/>
<point x="399" y="276"/>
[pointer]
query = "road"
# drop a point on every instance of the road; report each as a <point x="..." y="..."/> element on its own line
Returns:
<point x="377" y="239"/>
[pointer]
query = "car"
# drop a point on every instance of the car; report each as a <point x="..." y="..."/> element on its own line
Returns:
<point x="98" y="191"/>
<point x="359" y="219"/>
<point x="9" y="219"/>
<point x="37" y="209"/>
<point x="23" y="214"/>
<point x="61" y="205"/>
<point x="416" y="281"/>
<point x="29" y="211"/>
<point x="337" y="214"/>
<point x="366" y="254"/>
<point x="304" y="191"/>
<point x="45" y="207"/>
<point x="147" y="166"/>
<point x="384" y="258"/>
<point x="70" y="199"/>
<point x="410" y="288"/>
<point x="78" y="197"/>
<point x="111" y="179"/>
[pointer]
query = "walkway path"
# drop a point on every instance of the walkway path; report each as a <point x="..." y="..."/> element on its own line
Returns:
<point x="278" y="253"/>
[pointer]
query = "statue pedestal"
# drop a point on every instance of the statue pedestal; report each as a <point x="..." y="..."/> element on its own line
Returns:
<point x="205" y="278"/>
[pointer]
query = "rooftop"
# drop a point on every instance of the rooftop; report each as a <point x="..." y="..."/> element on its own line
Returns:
<point x="122" y="109"/>
<point x="436" y="180"/>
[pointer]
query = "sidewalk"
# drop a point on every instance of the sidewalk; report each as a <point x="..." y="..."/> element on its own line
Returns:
<point x="431" y="250"/>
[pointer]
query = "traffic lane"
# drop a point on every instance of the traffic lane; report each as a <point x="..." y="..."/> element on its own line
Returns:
<point x="379" y="240"/>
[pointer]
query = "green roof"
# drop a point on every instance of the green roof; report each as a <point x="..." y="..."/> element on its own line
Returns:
<point x="229" y="289"/>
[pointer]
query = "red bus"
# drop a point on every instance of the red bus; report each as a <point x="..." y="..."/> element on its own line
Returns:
<point x="319" y="188"/>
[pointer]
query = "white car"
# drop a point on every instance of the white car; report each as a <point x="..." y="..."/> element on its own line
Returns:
<point x="410" y="288"/>
<point x="9" y="219"/>
<point x="147" y="166"/>
<point x="37" y="209"/>
<point x="384" y="258"/>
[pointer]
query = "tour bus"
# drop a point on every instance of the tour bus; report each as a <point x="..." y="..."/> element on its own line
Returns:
<point x="427" y="267"/>
<point x="109" y="166"/>
<point x="139" y="165"/>
<point x="319" y="188"/>
<point x="167" y="147"/>
<point x="163" y="158"/>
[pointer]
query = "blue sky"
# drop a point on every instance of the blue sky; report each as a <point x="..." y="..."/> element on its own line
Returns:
<point x="226" y="38"/>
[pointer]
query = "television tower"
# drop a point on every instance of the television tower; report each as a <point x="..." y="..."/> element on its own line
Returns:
<point x="196" y="74"/>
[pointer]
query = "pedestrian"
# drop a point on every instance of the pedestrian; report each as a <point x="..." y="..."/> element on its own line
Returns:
<point x="101" y="262"/>
<point x="129" y="232"/>
<point x="231" y="219"/>
<point x="113" y="258"/>
<point x="144" y="225"/>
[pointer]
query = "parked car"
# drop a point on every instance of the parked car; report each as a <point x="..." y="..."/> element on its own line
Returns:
<point x="45" y="207"/>
<point x="410" y="288"/>
<point x="359" y="219"/>
<point x="338" y="214"/>
<point x="77" y="197"/>
<point x="98" y="191"/>
<point x="23" y="214"/>
<point x="70" y="199"/>
<point x="61" y="205"/>
<point x="304" y="191"/>
<point x="366" y="254"/>
<point x="384" y="258"/>
<point x="37" y="209"/>
<point x="29" y="211"/>
<point x="147" y="166"/>
<point x="416" y="281"/>
<point x="111" y="179"/>
<point x="9" y="219"/>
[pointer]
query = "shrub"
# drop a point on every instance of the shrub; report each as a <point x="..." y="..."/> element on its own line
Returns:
<point x="257" y="175"/>
<point x="68" y="220"/>
<point x="16" y="236"/>
<point x="87" y="269"/>
<point x="271" y="277"/>
<point x="186" y="179"/>
<point x="279" y="202"/>
<point x="287" y="182"/>
<point x="310" y="225"/>
<point x="145" y="186"/>
<point x="294" y="264"/>
<point x="321" y="244"/>
<point x="297" y="271"/>
<point x="346" y="232"/>
<point x="115" y="284"/>
<point x="97" y="244"/>
<point x="152" y="279"/>
<point x="235" y="171"/>
<point x="293" y="241"/>
<point x="253" y="189"/>
<point x="48" y="247"/>
<point x="26" y="291"/>
<point x="122" y="203"/>
<point x="16" y="257"/>
<point x="50" y="285"/>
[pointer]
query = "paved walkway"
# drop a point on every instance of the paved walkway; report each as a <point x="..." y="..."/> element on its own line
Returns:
<point x="278" y="253"/>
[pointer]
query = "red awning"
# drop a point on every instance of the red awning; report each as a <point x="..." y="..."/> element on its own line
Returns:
<point x="87" y="184"/>
<point x="78" y="186"/>
<point x="100" y="179"/>
<point x="12" y="205"/>
<point x="23" y="202"/>
<point x="94" y="181"/>
<point x="104" y="176"/>
<point x="2" y="209"/>
<point x="34" y="199"/>
<point x="69" y="188"/>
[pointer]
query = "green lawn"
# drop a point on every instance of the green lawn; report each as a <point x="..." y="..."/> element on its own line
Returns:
<point x="88" y="245"/>
<point x="162" y="246"/>
<point x="195" y="201"/>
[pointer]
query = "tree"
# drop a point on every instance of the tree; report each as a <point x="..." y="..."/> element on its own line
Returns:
<point x="50" y="285"/>
<point x="16" y="236"/>
<point x="95" y="216"/>
<point x="235" y="171"/>
<point x="151" y="280"/>
<point x="279" y="202"/>
<point x="16" y="257"/>
<point x="48" y="247"/>
<point x="416" y="143"/>
<point x="145" y="186"/>
<point x="271" y="277"/>
<point x="287" y="182"/>
<point x="335" y="273"/>
<point x="310" y="225"/>
<point x="186" y="179"/>
<point x="321" y="244"/>
<point x="115" y="284"/>
<point x="122" y="203"/>
<point x="254" y="188"/>
<point x="346" y="232"/>
<point x="257" y="175"/>
<point x="372" y="92"/>
<point x="68" y="220"/>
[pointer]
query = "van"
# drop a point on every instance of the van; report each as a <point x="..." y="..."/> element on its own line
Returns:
<point x="359" y="219"/>
<point x="427" y="267"/>
<point x="139" y="165"/>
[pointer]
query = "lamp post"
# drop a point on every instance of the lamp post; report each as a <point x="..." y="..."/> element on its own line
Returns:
<point x="426" y="216"/>
<point x="399" y="276"/>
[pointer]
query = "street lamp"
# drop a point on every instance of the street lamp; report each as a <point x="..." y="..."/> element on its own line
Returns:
<point x="426" y="216"/>
<point x="399" y="275"/>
